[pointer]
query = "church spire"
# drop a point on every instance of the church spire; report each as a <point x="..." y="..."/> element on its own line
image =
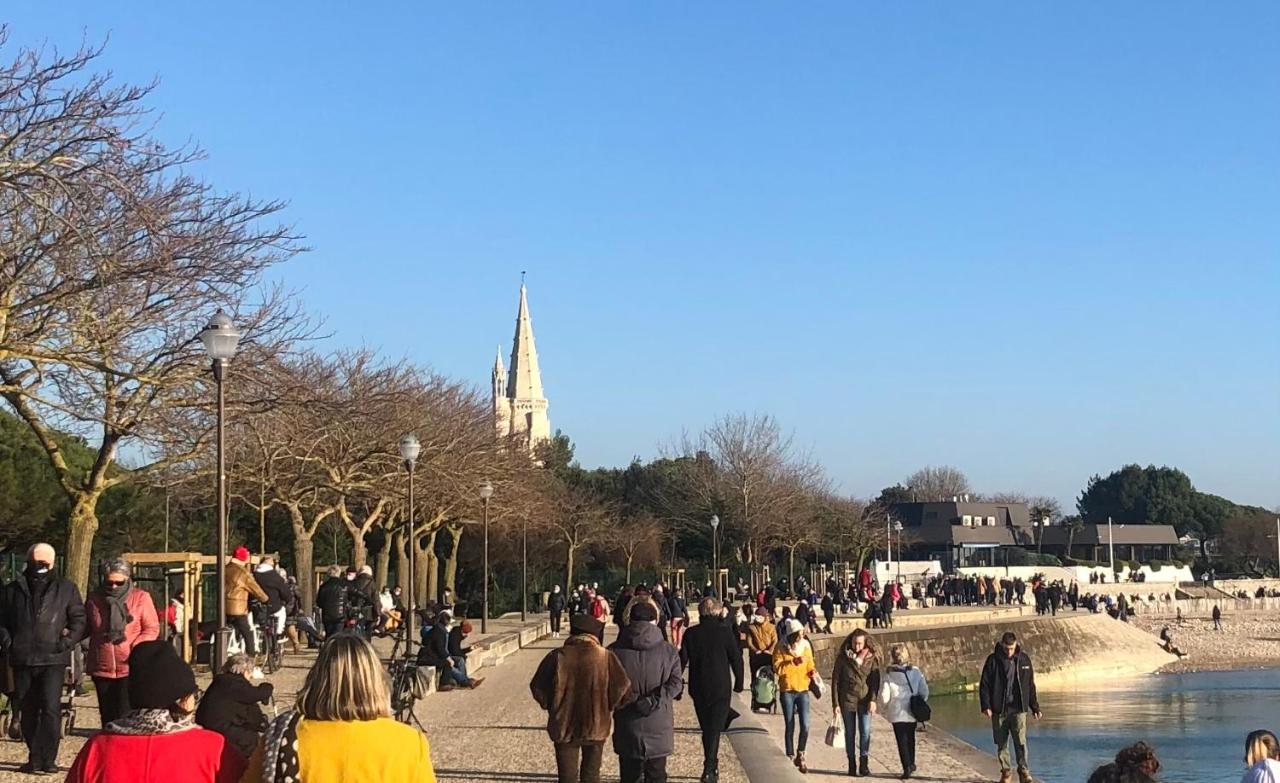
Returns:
<point x="524" y="379"/>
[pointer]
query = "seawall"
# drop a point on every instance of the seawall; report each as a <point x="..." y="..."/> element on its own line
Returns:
<point x="1065" y="650"/>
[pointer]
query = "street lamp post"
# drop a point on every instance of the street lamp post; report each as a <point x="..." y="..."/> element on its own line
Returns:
<point x="1111" y="549"/>
<point x="716" y="554"/>
<point x="220" y="339"/>
<point x="409" y="450"/>
<point x="486" y="492"/>
<point x="524" y="569"/>
<point x="897" y="528"/>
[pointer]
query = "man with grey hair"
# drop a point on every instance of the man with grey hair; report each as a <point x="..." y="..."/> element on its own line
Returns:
<point x="41" y="620"/>
<point x="710" y="651"/>
<point x="332" y="601"/>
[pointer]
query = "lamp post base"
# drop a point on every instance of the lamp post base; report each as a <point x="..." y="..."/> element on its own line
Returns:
<point x="221" y="641"/>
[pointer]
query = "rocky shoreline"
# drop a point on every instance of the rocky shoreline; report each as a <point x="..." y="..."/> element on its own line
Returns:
<point x="1247" y="641"/>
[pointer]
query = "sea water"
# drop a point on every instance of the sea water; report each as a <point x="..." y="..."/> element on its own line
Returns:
<point x="1196" y="722"/>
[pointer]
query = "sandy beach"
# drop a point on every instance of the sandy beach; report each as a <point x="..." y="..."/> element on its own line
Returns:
<point x="1248" y="640"/>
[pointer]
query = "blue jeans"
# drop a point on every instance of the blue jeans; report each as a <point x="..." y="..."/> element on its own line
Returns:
<point x="794" y="702"/>
<point x="458" y="671"/>
<point x="861" y="722"/>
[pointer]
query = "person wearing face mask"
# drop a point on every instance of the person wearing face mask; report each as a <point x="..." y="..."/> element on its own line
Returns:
<point x="762" y="637"/>
<point x="435" y="652"/>
<point x="41" y="619"/>
<point x="856" y="680"/>
<point x="644" y="729"/>
<point x="555" y="605"/>
<point x="118" y="616"/>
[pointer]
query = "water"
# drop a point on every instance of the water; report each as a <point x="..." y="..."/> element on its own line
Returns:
<point x="1197" y="723"/>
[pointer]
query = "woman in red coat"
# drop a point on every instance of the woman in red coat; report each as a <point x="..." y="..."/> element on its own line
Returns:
<point x="158" y="740"/>
<point x="118" y="616"/>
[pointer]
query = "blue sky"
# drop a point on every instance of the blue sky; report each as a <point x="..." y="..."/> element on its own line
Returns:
<point x="1035" y="241"/>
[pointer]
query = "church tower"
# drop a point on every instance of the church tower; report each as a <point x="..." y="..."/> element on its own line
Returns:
<point x="519" y="407"/>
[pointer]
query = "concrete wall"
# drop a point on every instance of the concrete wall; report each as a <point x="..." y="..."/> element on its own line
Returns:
<point x="1064" y="650"/>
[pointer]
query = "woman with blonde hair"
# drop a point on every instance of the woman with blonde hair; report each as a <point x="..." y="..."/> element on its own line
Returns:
<point x="345" y="703"/>
<point x="1262" y="756"/>
<point x="793" y="663"/>
<point x="902" y="682"/>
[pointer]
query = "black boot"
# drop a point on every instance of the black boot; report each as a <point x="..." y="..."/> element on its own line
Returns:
<point x="864" y="766"/>
<point x="853" y="770"/>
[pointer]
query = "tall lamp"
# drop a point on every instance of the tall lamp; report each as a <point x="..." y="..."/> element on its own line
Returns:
<point x="715" y="555"/>
<point x="486" y="492"/>
<point x="410" y="448"/>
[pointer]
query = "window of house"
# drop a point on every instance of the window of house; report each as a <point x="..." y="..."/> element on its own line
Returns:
<point x="991" y="521"/>
<point x="967" y="520"/>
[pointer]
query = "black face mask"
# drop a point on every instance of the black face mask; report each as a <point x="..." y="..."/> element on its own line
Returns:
<point x="38" y="571"/>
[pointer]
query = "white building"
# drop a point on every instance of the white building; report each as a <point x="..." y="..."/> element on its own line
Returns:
<point x="519" y="407"/>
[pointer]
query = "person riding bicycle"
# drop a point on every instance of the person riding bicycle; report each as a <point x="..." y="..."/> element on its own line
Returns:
<point x="269" y="615"/>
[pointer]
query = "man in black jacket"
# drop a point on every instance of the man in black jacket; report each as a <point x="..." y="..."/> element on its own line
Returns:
<point x="332" y="601"/>
<point x="435" y="652"/>
<point x="710" y="651"/>
<point x="1008" y="692"/>
<point x="41" y="619"/>
<point x="555" y="605"/>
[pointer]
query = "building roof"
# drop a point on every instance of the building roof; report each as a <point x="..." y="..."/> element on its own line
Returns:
<point x="947" y="534"/>
<point x="524" y="378"/>
<point x="952" y="512"/>
<point x="1125" y="535"/>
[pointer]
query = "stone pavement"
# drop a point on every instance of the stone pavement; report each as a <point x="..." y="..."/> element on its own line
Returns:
<point x="939" y="757"/>
<point x="498" y="733"/>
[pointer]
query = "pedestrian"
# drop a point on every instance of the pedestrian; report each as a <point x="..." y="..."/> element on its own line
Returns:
<point x="580" y="684"/>
<point x="762" y="637"/>
<point x="644" y="728"/>
<point x="1134" y="764"/>
<point x="679" y="617"/>
<point x="855" y="682"/>
<point x="555" y="605"/>
<point x="331" y="599"/>
<point x="1217" y="617"/>
<point x="230" y="705"/>
<point x="902" y="682"/>
<point x="239" y="584"/>
<point x="41" y="619"/>
<point x="1262" y="757"/>
<point x="118" y="616"/>
<point x="793" y="663"/>
<point x="340" y="729"/>
<point x="157" y="741"/>
<point x="710" y="652"/>
<point x="1007" y="692"/>
<point x="828" y="610"/>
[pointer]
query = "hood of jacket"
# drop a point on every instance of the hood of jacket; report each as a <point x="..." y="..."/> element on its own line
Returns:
<point x="999" y="650"/>
<point x="640" y="635"/>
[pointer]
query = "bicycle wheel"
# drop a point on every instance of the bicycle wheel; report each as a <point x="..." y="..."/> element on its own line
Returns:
<point x="277" y="654"/>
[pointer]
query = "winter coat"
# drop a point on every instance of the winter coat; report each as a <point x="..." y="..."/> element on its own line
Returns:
<point x="794" y="677"/>
<point x="555" y="603"/>
<point x="710" y="651"/>
<point x="41" y="635"/>
<point x="899" y="684"/>
<point x="435" y="647"/>
<point x="331" y="599"/>
<point x="240" y="584"/>
<point x="804" y="614"/>
<point x="645" y="727"/>
<point x="276" y="589"/>
<point x="580" y="684"/>
<point x="679" y="610"/>
<point x="456" y="650"/>
<point x="762" y="637"/>
<point x="1265" y="771"/>
<point x="230" y="707"/>
<point x="856" y="682"/>
<point x="362" y="596"/>
<point x="111" y="661"/>
<point x="193" y="756"/>
<point x="992" y="685"/>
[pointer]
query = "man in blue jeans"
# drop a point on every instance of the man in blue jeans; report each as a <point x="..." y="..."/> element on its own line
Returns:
<point x="855" y="679"/>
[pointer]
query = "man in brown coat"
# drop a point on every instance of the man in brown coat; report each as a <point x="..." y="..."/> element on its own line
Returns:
<point x="240" y="584"/>
<point x="580" y="685"/>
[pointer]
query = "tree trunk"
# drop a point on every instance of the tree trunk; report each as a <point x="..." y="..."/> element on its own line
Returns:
<point x="359" y="552"/>
<point x="431" y="564"/>
<point x="402" y="562"/>
<point x="568" y="567"/>
<point x="82" y="525"/>
<point x="451" y="563"/>
<point x="421" y="570"/>
<point x="629" y="559"/>
<point x="304" y="568"/>
<point x="382" y="566"/>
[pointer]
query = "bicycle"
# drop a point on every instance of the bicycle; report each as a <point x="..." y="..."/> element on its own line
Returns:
<point x="270" y="650"/>
<point x="406" y="689"/>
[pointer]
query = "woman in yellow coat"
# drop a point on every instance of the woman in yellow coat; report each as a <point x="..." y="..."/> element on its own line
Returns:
<point x="793" y="663"/>
<point x="341" y="728"/>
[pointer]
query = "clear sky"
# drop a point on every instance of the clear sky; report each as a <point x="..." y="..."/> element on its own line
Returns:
<point x="1033" y="240"/>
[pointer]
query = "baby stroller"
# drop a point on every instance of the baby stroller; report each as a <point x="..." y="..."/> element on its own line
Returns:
<point x="764" y="691"/>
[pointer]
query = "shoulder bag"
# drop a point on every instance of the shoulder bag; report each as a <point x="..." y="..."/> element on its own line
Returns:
<point x="920" y="709"/>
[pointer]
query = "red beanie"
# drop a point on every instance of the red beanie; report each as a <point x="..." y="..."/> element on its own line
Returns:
<point x="242" y="553"/>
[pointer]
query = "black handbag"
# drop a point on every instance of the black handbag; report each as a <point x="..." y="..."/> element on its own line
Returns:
<point x="920" y="709"/>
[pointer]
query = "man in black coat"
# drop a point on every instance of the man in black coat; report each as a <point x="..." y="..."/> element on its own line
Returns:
<point x="710" y="651"/>
<point x="332" y="601"/>
<point x="1007" y="692"/>
<point x="644" y="729"/>
<point x="555" y="605"/>
<point x="41" y="619"/>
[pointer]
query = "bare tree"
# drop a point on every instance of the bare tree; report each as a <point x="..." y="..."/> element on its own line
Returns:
<point x="114" y="259"/>
<point x="941" y="482"/>
<point x="578" y="519"/>
<point x="636" y="538"/>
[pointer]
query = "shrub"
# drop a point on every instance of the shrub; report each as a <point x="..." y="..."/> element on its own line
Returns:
<point x="1177" y="564"/>
<point x="1156" y="565"/>
<point x="1134" y="565"/>
<point x="1047" y="560"/>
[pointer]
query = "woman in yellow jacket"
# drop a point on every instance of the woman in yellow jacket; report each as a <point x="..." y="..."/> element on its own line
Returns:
<point x="341" y="729"/>
<point x="793" y="663"/>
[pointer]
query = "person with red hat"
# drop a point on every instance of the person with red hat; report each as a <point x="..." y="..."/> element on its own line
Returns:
<point x="239" y="584"/>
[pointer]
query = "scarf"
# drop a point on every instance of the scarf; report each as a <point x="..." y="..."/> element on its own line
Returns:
<point x="117" y="611"/>
<point x="280" y="760"/>
<point x="150" y="722"/>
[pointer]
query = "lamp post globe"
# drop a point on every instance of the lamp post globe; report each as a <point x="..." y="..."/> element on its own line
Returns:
<point x="486" y="492"/>
<point x="410" y="448"/>
<point x="220" y="339"/>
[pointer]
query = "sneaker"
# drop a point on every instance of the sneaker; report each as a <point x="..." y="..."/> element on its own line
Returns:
<point x="257" y="673"/>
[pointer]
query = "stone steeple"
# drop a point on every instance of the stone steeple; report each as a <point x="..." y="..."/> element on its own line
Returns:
<point x="519" y="406"/>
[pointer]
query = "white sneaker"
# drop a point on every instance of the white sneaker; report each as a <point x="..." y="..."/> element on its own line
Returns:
<point x="257" y="673"/>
